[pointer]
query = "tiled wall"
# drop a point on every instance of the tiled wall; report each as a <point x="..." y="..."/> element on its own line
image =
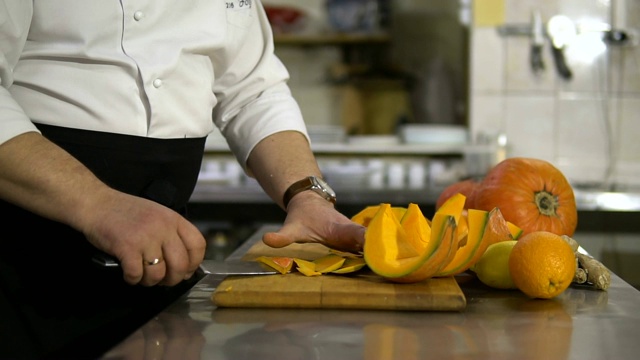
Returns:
<point x="588" y="126"/>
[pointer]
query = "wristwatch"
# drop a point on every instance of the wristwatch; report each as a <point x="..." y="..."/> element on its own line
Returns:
<point x="312" y="183"/>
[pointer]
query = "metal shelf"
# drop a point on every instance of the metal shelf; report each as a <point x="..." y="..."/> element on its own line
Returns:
<point x="366" y="149"/>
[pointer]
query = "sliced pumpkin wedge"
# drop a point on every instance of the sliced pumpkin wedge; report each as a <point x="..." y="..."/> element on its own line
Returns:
<point x="443" y="234"/>
<point x="454" y="206"/>
<point x="282" y="264"/>
<point x="365" y="215"/>
<point x="328" y="263"/>
<point x="306" y="267"/>
<point x="387" y="250"/>
<point x="495" y="231"/>
<point x="516" y="231"/>
<point x="477" y="221"/>
<point x="350" y="265"/>
<point x="417" y="229"/>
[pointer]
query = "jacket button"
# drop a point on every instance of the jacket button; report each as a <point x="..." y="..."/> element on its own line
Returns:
<point x="138" y="15"/>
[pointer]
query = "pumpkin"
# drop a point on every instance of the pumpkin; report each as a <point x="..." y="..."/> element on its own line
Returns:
<point x="466" y="187"/>
<point x="281" y="263"/>
<point x="477" y="220"/>
<point x="444" y="241"/>
<point x="455" y="206"/>
<point x="365" y="215"/>
<point x="328" y="263"/>
<point x="387" y="249"/>
<point x="485" y="229"/>
<point x="409" y="249"/>
<point x="530" y="193"/>
<point x="351" y="264"/>
<point x="443" y="236"/>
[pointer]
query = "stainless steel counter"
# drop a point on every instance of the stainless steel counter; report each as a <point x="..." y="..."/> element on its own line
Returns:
<point x="579" y="324"/>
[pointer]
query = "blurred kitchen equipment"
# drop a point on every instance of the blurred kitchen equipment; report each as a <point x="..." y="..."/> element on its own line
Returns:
<point x="353" y="15"/>
<point x="537" y="42"/>
<point x="285" y="19"/>
<point x="562" y="31"/>
<point x="386" y="104"/>
<point x="326" y="134"/>
<point x="432" y="94"/>
<point x="434" y="134"/>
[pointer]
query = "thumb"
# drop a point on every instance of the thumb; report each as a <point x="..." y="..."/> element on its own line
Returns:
<point x="276" y="239"/>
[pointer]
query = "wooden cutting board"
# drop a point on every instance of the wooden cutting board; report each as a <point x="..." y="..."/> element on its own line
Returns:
<point x="359" y="290"/>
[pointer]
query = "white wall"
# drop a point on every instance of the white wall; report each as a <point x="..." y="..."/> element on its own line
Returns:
<point x="587" y="126"/>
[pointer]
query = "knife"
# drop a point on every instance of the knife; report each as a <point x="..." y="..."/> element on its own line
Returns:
<point x="215" y="267"/>
<point x="209" y="267"/>
<point x="537" y="42"/>
<point x="562" y="31"/>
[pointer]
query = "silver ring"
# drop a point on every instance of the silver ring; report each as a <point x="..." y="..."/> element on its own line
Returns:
<point x="152" y="262"/>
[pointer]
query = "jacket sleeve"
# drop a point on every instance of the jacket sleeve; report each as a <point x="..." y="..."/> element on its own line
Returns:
<point x="254" y="100"/>
<point x="15" y="18"/>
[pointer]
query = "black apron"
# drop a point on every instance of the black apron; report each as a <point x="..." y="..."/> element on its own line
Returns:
<point x="54" y="300"/>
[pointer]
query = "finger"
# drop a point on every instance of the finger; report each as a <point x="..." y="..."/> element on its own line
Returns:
<point x="132" y="269"/>
<point x="155" y="268"/>
<point x="177" y="262"/>
<point x="194" y="243"/>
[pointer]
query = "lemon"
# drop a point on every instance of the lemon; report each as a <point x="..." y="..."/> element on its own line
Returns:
<point x="493" y="267"/>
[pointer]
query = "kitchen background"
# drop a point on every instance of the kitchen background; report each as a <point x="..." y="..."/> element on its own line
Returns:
<point x="403" y="97"/>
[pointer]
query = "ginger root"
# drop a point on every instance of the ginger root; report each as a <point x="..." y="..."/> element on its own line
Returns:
<point x="597" y="274"/>
<point x="589" y="270"/>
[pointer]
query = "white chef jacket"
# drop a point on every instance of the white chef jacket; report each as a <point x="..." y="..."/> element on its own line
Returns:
<point x="153" y="68"/>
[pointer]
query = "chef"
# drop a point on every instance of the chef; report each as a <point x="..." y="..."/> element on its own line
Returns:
<point x="104" y="110"/>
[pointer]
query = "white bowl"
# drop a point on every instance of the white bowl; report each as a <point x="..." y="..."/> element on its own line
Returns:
<point x="433" y="134"/>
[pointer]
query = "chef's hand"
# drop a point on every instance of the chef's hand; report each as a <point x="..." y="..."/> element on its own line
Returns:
<point x="137" y="231"/>
<point x="310" y="219"/>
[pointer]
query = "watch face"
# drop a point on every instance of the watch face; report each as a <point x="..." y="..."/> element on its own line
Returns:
<point x="325" y="188"/>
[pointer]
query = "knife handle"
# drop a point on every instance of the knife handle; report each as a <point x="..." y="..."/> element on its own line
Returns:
<point x="537" y="64"/>
<point x="561" y="63"/>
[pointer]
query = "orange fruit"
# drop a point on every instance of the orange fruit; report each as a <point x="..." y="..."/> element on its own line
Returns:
<point x="542" y="264"/>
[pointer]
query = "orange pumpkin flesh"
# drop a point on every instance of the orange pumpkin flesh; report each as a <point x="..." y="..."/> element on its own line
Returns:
<point x="282" y="264"/>
<point x="530" y="193"/>
<point x="407" y="251"/>
<point x="328" y="263"/>
<point x="387" y="251"/>
<point x="350" y="265"/>
<point x="444" y="236"/>
<point x="365" y="215"/>
<point x="477" y="220"/>
<point x="417" y="229"/>
<point x="454" y="206"/>
<point x="496" y="230"/>
<point x="443" y="243"/>
<point x="413" y="248"/>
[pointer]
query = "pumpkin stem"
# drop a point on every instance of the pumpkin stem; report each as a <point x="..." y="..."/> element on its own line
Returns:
<point x="547" y="203"/>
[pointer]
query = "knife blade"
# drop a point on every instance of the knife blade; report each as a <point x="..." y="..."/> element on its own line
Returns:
<point x="214" y="267"/>
<point x="209" y="267"/>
